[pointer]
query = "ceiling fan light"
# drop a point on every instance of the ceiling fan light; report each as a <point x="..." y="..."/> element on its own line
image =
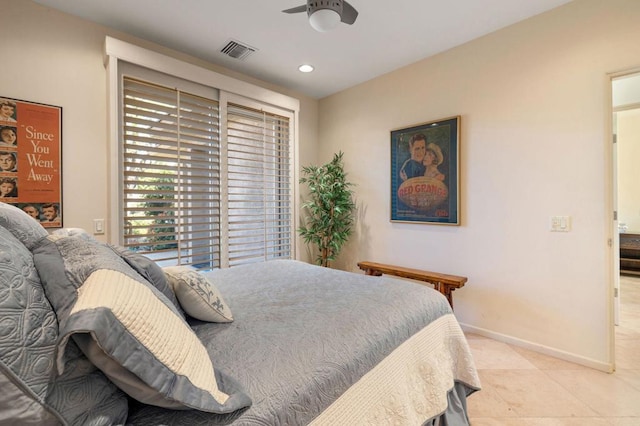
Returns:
<point x="323" y="20"/>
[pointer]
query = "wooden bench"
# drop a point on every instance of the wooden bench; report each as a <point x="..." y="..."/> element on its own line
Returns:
<point x="444" y="283"/>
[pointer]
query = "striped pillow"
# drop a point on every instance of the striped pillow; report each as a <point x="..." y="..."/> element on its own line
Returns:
<point x="129" y="329"/>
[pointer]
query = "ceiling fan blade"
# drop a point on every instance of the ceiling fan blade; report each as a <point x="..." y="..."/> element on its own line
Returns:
<point x="349" y="14"/>
<point x="298" y="9"/>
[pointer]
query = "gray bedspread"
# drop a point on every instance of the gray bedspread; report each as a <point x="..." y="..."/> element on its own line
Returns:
<point x="302" y="335"/>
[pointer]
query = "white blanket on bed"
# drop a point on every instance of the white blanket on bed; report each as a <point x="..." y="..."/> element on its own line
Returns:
<point x="411" y="384"/>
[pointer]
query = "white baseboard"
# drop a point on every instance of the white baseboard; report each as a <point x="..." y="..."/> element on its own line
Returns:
<point x="556" y="353"/>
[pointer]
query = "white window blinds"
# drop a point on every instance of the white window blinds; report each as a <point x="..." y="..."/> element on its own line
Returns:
<point x="171" y="175"/>
<point x="259" y="185"/>
<point x="186" y="200"/>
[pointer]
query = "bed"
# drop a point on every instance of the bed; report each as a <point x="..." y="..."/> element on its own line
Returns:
<point x="95" y="334"/>
<point x="318" y="346"/>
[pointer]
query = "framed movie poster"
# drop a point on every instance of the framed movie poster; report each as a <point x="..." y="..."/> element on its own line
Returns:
<point x="424" y="173"/>
<point x="31" y="159"/>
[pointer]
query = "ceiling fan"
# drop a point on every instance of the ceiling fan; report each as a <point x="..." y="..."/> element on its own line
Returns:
<point x="325" y="15"/>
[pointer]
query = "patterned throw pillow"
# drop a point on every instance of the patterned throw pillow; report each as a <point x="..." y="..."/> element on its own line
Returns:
<point x="197" y="295"/>
<point x="28" y="336"/>
<point x="128" y="329"/>
<point x="28" y="333"/>
<point x="26" y="229"/>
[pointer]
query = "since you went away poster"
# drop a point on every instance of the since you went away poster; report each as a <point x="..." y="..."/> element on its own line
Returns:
<point x="30" y="159"/>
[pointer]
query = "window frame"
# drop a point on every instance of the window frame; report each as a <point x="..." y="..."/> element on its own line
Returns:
<point x="119" y="54"/>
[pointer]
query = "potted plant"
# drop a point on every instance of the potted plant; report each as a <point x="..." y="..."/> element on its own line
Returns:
<point x="329" y="210"/>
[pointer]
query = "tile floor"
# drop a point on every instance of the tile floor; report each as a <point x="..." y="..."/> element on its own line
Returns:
<point x="524" y="388"/>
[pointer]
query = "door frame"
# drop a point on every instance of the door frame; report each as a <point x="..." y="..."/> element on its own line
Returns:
<point x="613" y="233"/>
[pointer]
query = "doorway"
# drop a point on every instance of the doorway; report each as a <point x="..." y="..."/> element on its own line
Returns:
<point x="625" y="89"/>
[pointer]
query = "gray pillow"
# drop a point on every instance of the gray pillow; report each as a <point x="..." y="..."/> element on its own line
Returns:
<point x="150" y="271"/>
<point x="28" y="333"/>
<point x="31" y="391"/>
<point x="25" y="228"/>
<point x="128" y="328"/>
<point x="67" y="232"/>
<point x="144" y="266"/>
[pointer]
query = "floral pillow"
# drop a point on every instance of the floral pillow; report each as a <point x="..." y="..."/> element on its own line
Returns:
<point x="197" y="295"/>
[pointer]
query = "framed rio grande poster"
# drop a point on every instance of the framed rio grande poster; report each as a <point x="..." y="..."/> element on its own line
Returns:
<point x="425" y="184"/>
<point x="31" y="159"/>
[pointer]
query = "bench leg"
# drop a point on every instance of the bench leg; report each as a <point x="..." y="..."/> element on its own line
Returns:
<point x="446" y="290"/>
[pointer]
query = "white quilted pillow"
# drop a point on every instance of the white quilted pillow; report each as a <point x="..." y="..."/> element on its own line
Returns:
<point x="129" y="329"/>
<point x="197" y="295"/>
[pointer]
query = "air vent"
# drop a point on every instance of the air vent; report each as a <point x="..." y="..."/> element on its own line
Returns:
<point x="237" y="50"/>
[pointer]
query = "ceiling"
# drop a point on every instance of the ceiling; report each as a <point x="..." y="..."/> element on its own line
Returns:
<point x="386" y="35"/>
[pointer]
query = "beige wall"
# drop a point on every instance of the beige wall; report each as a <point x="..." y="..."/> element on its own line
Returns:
<point x="533" y="99"/>
<point x="534" y="102"/>
<point x="628" y="127"/>
<point x="54" y="58"/>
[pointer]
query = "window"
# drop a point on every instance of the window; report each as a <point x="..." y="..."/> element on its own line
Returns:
<point x="259" y="186"/>
<point x="199" y="191"/>
<point x="201" y="164"/>
<point x="171" y="175"/>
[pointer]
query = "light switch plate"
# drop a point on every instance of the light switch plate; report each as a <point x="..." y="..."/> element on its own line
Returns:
<point x="98" y="226"/>
<point x="560" y="224"/>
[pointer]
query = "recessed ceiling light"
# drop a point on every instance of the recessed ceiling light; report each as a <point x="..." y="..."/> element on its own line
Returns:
<point x="305" y="68"/>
